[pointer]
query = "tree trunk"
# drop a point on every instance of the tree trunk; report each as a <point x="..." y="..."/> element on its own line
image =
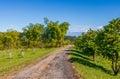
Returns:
<point x="94" y="57"/>
<point x="115" y="65"/>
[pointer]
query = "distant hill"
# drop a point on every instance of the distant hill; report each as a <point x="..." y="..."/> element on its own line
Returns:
<point x="74" y="33"/>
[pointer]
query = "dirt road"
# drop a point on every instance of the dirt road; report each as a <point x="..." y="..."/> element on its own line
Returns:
<point x="55" y="66"/>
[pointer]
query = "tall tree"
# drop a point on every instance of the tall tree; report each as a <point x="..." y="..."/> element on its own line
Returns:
<point x="91" y="43"/>
<point x="55" y="32"/>
<point x="63" y="27"/>
<point x="110" y="40"/>
<point x="87" y="43"/>
<point x="52" y="33"/>
<point x="32" y="34"/>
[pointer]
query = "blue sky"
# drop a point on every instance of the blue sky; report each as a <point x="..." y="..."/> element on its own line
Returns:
<point x="81" y="14"/>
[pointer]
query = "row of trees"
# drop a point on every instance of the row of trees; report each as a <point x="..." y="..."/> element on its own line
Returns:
<point x="105" y="42"/>
<point x="50" y="34"/>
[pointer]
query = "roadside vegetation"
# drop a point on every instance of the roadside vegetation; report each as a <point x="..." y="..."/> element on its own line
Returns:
<point x="18" y="49"/>
<point x="49" y="34"/>
<point x="98" y="52"/>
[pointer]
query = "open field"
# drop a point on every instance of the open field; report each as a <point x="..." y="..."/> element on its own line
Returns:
<point x="101" y="69"/>
<point x="8" y="65"/>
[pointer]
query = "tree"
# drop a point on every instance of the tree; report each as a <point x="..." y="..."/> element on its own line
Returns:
<point x="1" y="44"/>
<point x="10" y="38"/>
<point x="63" y="28"/>
<point x="110" y="43"/>
<point x="32" y="34"/>
<point x="87" y="43"/>
<point x="55" y="32"/>
<point x="91" y="43"/>
<point x="52" y="33"/>
<point x="79" y="43"/>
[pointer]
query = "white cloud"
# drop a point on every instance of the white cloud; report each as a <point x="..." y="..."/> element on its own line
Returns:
<point x="78" y="28"/>
<point x="83" y="28"/>
<point x="14" y="27"/>
<point x="100" y="27"/>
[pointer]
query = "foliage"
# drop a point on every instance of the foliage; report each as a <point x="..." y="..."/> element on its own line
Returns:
<point x="54" y="33"/>
<point x="105" y="42"/>
<point x="50" y="34"/>
<point x="9" y="39"/>
<point x="87" y="43"/>
<point x="111" y="43"/>
<point x="32" y="34"/>
<point x="71" y="38"/>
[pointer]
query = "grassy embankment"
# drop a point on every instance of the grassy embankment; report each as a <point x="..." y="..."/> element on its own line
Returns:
<point x="100" y="69"/>
<point x="8" y="65"/>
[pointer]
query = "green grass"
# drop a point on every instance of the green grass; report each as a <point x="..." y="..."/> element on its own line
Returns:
<point x="101" y="69"/>
<point x="8" y="65"/>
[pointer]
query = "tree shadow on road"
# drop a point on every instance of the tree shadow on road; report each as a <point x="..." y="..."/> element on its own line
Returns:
<point x="81" y="56"/>
<point x="76" y="51"/>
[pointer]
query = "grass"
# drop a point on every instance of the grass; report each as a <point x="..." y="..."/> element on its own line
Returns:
<point x="16" y="63"/>
<point x="100" y="69"/>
